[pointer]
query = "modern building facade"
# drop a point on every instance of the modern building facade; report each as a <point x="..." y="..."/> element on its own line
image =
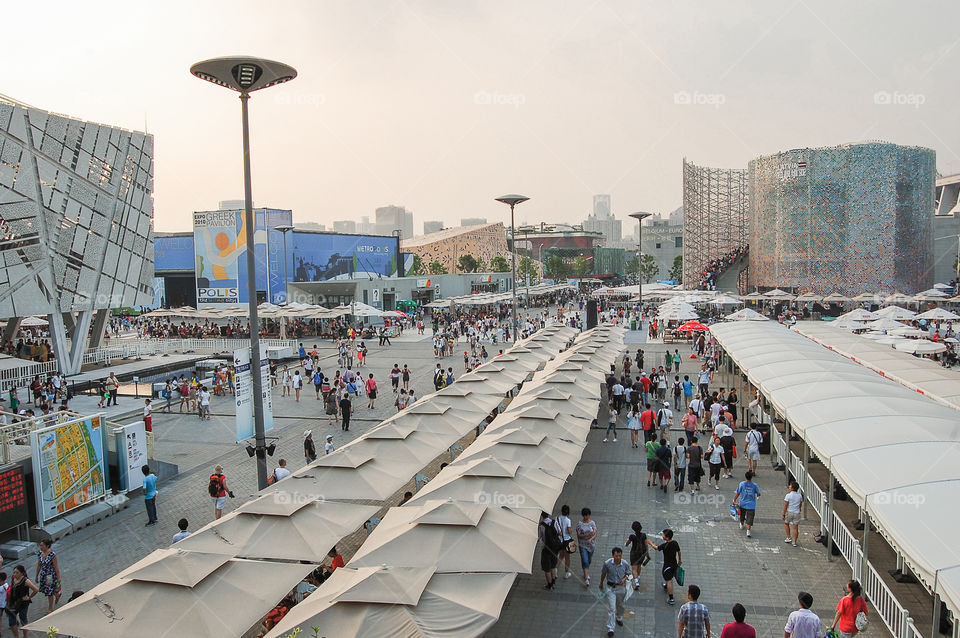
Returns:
<point x="394" y="218"/>
<point x="447" y="246"/>
<point x="662" y="240"/>
<point x="603" y="221"/>
<point x="76" y="213"/>
<point x="851" y="219"/>
<point x="715" y="217"/>
<point x="473" y="221"/>
<point x="946" y="229"/>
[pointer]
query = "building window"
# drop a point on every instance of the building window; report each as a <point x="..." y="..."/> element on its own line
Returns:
<point x="658" y="244"/>
<point x="678" y="242"/>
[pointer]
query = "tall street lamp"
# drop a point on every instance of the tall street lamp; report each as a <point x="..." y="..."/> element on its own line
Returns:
<point x="511" y="201"/>
<point x="246" y="75"/>
<point x="640" y="217"/>
<point x="284" y="229"/>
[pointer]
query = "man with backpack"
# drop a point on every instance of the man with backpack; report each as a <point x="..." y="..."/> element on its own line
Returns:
<point x="665" y="420"/>
<point x="439" y="378"/>
<point x="218" y="490"/>
<point x="550" y="551"/>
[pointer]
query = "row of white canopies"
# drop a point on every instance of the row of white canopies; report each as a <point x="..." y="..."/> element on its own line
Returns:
<point x="201" y="585"/>
<point x="893" y="450"/>
<point x="443" y="563"/>
<point x="493" y="298"/>
<point x="293" y="310"/>
<point x="937" y="294"/>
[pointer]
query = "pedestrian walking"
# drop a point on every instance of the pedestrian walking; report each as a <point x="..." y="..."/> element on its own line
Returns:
<point x="147" y="416"/>
<point x="746" y="498"/>
<point x="751" y="448"/>
<point x="328" y="445"/>
<point x="729" y="449"/>
<point x="218" y="490"/>
<point x="672" y="559"/>
<point x="567" y="546"/>
<point x="738" y="628"/>
<point x="405" y="377"/>
<point x="679" y="464"/>
<point x="395" y="378"/>
<point x="851" y="616"/>
<point x="550" y="540"/>
<point x="150" y="495"/>
<point x="371" y="387"/>
<point x="803" y="623"/>
<point x="297" y="384"/>
<point x="112" y="386"/>
<point x="639" y="552"/>
<point x="633" y="424"/>
<point x="613" y="578"/>
<point x="21" y="593"/>
<point x="693" y="621"/>
<point x="664" y="461"/>
<point x="611" y="424"/>
<point x="791" y="513"/>
<point x="48" y="574"/>
<point x="652" y="463"/>
<point x="715" y="458"/>
<point x="286" y="382"/>
<point x="664" y="420"/>
<point x="346" y="411"/>
<point x="331" y="407"/>
<point x="586" y="540"/>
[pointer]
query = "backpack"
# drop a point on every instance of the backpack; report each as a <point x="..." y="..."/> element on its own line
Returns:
<point x="215" y="486"/>
<point x="551" y="540"/>
<point x="439" y="378"/>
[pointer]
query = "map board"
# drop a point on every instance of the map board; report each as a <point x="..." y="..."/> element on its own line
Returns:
<point x="68" y="466"/>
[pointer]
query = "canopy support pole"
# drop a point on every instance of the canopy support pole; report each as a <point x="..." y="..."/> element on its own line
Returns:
<point x="786" y="451"/>
<point x="866" y="548"/>
<point x="829" y="519"/>
<point x="806" y="475"/>
<point x="935" y="621"/>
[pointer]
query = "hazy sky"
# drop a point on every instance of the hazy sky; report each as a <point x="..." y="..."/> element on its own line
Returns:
<point x="442" y="105"/>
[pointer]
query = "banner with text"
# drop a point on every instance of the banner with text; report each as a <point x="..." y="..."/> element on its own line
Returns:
<point x="243" y="384"/>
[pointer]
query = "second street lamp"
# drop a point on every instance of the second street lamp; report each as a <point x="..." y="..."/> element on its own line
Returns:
<point x="511" y="201"/>
<point x="246" y="75"/>
<point x="640" y="217"/>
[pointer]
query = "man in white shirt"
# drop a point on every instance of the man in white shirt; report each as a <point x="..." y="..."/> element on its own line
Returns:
<point x="281" y="472"/>
<point x="617" y="391"/>
<point x="665" y="420"/>
<point x="803" y="623"/>
<point x="697" y="406"/>
<point x="204" y="397"/>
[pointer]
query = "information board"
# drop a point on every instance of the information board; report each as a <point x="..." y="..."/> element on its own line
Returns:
<point x="13" y="498"/>
<point x="132" y="454"/>
<point x="243" y="393"/>
<point x="68" y="466"/>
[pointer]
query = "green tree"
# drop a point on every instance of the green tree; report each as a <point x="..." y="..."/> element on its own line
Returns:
<point x="648" y="268"/>
<point x="499" y="264"/>
<point x="467" y="263"/>
<point x="676" y="271"/>
<point x="482" y="266"/>
<point x="581" y="266"/>
<point x="632" y="267"/>
<point x="556" y="268"/>
<point x="526" y="267"/>
<point x="418" y="268"/>
<point x="436" y="268"/>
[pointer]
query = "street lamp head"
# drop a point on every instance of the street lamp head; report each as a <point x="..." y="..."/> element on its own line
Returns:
<point x="512" y="200"/>
<point x="243" y="74"/>
<point x="641" y="216"/>
<point x="283" y="228"/>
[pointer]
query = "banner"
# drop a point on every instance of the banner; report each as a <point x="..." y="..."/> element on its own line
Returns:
<point x="131" y="454"/>
<point x="68" y="466"/>
<point x="243" y="393"/>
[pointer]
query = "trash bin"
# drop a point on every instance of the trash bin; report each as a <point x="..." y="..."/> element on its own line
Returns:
<point x="633" y="324"/>
<point x="764" y="429"/>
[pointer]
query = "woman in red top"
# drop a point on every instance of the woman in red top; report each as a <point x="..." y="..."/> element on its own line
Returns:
<point x="371" y="386"/>
<point x="847" y="610"/>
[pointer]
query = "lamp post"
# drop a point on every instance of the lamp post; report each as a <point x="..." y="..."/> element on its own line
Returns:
<point x="284" y="229"/>
<point x="246" y="75"/>
<point x="640" y="217"/>
<point x="511" y="201"/>
<point x="398" y="233"/>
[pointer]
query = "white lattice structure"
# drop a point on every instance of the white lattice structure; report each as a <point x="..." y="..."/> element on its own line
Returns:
<point x="76" y="223"/>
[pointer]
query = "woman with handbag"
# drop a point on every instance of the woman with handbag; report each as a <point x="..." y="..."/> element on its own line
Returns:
<point x="565" y="530"/>
<point x="19" y="598"/>
<point x="48" y="574"/>
<point x="851" y="611"/>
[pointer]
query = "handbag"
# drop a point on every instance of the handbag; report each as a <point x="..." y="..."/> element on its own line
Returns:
<point x="680" y="575"/>
<point x="861" y="621"/>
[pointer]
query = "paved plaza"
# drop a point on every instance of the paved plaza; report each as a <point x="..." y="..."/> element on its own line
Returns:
<point x="762" y="573"/>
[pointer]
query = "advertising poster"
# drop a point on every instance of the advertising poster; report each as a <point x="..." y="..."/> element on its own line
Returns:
<point x="132" y="454"/>
<point x="243" y="384"/>
<point x="325" y="257"/>
<point x="68" y="466"/>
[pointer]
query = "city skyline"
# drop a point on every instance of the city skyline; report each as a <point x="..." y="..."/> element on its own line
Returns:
<point x="572" y="101"/>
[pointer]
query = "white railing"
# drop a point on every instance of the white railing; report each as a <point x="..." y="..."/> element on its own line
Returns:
<point x="147" y="347"/>
<point x="894" y="616"/>
<point x="21" y="376"/>
<point x="18" y="431"/>
<point x="779" y="444"/>
<point x="847" y="543"/>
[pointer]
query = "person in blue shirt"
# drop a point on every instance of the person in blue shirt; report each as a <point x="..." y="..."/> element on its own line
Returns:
<point x="302" y="352"/>
<point x="746" y="499"/>
<point x="150" y="494"/>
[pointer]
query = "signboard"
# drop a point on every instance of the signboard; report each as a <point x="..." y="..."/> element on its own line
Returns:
<point x="13" y="498"/>
<point x="131" y="454"/>
<point x="243" y="394"/>
<point x="329" y="256"/>
<point x="423" y="283"/>
<point x="68" y="466"/>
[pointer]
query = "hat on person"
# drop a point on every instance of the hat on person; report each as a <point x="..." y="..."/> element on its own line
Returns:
<point x="329" y="436"/>
<point x="727" y="432"/>
<point x="307" y="432"/>
<point x="666" y="404"/>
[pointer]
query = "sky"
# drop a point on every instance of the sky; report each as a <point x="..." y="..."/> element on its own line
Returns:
<point x="443" y="105"/>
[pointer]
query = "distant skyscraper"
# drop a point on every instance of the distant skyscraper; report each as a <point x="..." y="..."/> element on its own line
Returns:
<point x="391" y="218"/>
<point x="232" y="204"/>
<point x="345" y="226"/>
<point x="366" y="227"/>
<point x="432" y="227"/>
<point x="601" y="207"/>
<point x="472" y="221"/>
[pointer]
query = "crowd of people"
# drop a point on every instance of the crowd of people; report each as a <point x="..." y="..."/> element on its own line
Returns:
<point x="716" y="267"/>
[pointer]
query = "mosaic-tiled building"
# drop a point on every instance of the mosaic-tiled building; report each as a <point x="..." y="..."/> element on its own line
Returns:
<point x="853" y="218"/>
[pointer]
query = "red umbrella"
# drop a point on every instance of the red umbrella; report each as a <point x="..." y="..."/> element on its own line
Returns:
<point x="691" y="326"/>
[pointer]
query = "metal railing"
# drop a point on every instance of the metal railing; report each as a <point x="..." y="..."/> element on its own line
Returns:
<point x="23" y="375"/>
<point x="18" y="431"/>
<point x="148" y="347"/>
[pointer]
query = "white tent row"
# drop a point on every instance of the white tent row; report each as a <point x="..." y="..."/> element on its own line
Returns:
<point x="921" y="375"/>
<point x="893" y="450"/>
<point x="477" y="517"/>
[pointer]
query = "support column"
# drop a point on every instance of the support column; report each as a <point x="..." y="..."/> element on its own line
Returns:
<point x="78" y="345"/>
<point x="10" y="330"/>
<point x="866" y="547"/>
<point x="935" y="623"/>
<point x="99" y="326"/>
<point x="829" y="518"/>
<point x="68" y="322"/>
<point x="806" y="474"/>
<point x="58" y="339"/>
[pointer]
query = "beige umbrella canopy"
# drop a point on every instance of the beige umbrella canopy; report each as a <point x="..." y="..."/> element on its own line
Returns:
<point x="583" y="372"/>
<point x="920" y="346"/>
<point x="178" y="593"/>
<point x="278" y="528"/>
<point x="532" y="351"/>
<point x="898" y="298"/>
<point x="492" y="481"/>
<point x="896" y="313"/>
<point x="835" y="297"/>
<point x="867" y="297"/>
<point x="491" y="383"/>
<point x="449" y="605"/>
<point x="554" y="455"/>
<point x="553" y="398"/>
<point x="511" y="369"/>
<point x="541" y="419"/>
<point x="938" y="314"/>
<point x="746" y="314"/>
<point x="808" y="296"/>
<point x="348" y="475"/>
<point x="431" y="418"/>
<point x="458" y="398"/>
<point x="452" y="537"/>
<point x="859" y="314"/>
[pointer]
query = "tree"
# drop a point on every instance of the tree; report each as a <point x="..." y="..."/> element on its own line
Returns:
<point x="436" y="268"/>
<point x="581" y="266"/>
<point x="632" y="267"/>
<point x="418" y="268"/>
<point x="648" y="268"/>
<point x="467" y="263"/>
<point x="526" y="267"/>
<point x="482" y="265"/>
<point x="556" y="268"/>
<point x="676" y="271"/>
<point x="499" y="264"/>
